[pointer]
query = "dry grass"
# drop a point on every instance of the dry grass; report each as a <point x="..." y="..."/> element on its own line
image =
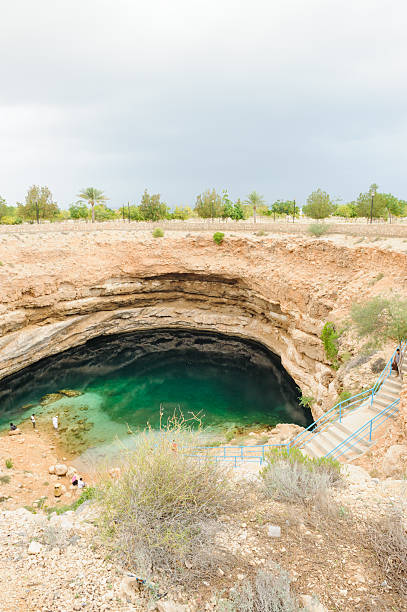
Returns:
<point x="162" y="513"/>
<point x="389" y="542"/>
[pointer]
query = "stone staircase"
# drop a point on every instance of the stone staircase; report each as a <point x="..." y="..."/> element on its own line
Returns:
<point x="323" y="442"/>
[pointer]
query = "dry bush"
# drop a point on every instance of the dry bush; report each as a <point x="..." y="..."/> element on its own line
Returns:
<point x="389" y="542"/>
<point x="55" y="537"/>
<point x="162" y="513"/>
<point x="269" y="592"/>
<point x="294" y="477"/>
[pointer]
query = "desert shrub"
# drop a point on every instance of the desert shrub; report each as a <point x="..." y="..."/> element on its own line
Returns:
<point x="344" y="395"/>
<point x="388" y="540"/>
<point x="381" y="318"/>
<point x="376" y="279"/>
<point x="87" y="494"/>
<point x="329" y="337"/>
<point x="270" y="591"/>
<point x="261" y="233"/>
<point x="162" y="513"/>
<point x="158" y="232"/>
<point x="54" y="537"/>
<point x="306" y="401"/>
<point x="318" y="229"/>
<point x="4" y="479"/>
<point x="218" y="237"/>
<point x="378" y="365"/>
<point x="9" y="463"/>
<point x="292" y="476"/>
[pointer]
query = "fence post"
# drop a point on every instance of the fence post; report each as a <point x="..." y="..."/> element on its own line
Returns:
<point x="370" y="430"/>
<point x="371" y="401"/>
<point x="340" y="412"/>
<point x="288" y="448"/>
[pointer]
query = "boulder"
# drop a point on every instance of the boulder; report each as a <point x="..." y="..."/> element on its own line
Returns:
<point x="356" y="475"/>
<point x="70" y="472"/>
<point x="34" y="548"/>
<point x="51" y="469"/>
<point x="395" y="460"/>
<point x="61" y="469"/>
<point x="274" y="531"/>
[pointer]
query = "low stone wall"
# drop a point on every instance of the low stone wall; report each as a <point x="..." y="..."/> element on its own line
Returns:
<point x="376" y="229"/>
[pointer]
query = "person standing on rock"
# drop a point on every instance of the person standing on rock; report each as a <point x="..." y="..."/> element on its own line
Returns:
<point x="33" y="420"/>
<point x="55" y="422"/>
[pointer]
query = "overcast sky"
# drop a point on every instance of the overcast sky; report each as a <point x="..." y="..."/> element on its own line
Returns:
<point x="281" y="96"/>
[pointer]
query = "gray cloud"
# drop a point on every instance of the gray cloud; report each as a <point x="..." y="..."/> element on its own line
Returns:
<point x="178" y="96"/>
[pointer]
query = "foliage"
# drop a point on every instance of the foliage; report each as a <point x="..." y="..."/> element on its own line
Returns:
<point x="344" y="395"/>
<point x="8" y="214"/>
<point x="11" y="220"/>
<point x="209" y="204"/>
<point x="151" y="207"/>
<point x="4" y="479"/>
<point x="79" y="210"/>
<point x="103" y="213"/>
<point x="319" y="205"/>
<point x="306" y="401"/>
<point x="255" y="200"/>
<point x="284" y="207"/>
<point x="218" y="237"/>
<point x="329" y="337"/>
<point x="227" y="206"/>
<point x="318" y="229"/>
<point x="381" y="318"/>
<point x="270" y="591"/>
<point x="9" y="463"/>
<point x="346" y="210"/>
<point x="158" y="232"/>
<point x="38" y="199"/>
<point x="92" y="196"/>
<point x="238" y="212"/>
<point x="87" y="494"/>
<point x="181" y="213"/>
<point x="135" y="213"/>
<point x="162" y="513"/>
<point x="294" y="477"/>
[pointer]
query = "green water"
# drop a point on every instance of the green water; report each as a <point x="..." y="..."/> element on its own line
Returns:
<point x="125" y="380"/>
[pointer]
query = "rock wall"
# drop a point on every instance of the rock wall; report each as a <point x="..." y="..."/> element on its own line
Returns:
<point x="63" y="288"/>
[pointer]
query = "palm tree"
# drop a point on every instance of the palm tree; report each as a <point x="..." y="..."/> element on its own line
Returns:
<point x="92" y="196"/>
<point x="255" y="200"/>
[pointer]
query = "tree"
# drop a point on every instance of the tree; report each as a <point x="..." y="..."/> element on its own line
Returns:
<point x="133" y="209"/>
<point x="8" y="214"/>
<point x="39" y="204"/>
<point x="284" y="207"/>
<point x="345" y="210"/>
<point x="227" y="206"/>
<point x="181" y="213"/>
<point x="151" y="207"/>
<point x="92" y="196"/>
<point x="256" y="200"/>
<point x="209" y="204"/>
<point x="365" y="207"/>
<point x="238" y="212"/>
<point x="103" y="213"/>
<point x="319" y="205"/>
<point x="79" y="210"/>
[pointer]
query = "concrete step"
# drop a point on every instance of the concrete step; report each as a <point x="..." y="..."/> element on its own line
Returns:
<point x="383" y="401"/>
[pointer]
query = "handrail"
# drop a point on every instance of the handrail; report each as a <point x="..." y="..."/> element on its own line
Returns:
<point x="319" y="425"/>
<point x="367" y="428"/>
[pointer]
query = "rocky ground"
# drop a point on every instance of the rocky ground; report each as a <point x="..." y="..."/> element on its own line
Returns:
<point x="60" y="564"/>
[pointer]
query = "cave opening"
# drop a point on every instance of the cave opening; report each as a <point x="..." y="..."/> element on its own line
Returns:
<point x="116" y="383"/>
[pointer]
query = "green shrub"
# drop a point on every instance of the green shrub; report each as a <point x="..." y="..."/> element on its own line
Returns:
<point x="162" y="513"/>
<point x="4" y="479"/>
<point x="329" y="337"/>
<point x="306" y="401"/>
<point x="9" y="463"/>
<point x="318" y="229"/>
<point x="344" y="395"/>
<point x="158" y="232"/>
<point x="218" y="237"/>
<point x="292" y="476"/>
<point x="87" y="493"/>
<point x="381" y="319"/>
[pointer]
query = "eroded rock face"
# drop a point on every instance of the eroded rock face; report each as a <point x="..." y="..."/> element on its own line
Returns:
<point x="61" y="289"/>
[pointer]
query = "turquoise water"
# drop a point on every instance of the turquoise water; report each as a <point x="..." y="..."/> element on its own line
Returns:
<point x="125" y="380"/>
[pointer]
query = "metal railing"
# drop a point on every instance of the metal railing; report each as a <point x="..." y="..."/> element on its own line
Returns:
<point x="257" y="453"/>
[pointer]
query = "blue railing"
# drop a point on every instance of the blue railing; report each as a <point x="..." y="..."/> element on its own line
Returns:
<point x="364" y="433"/>
<point x="257" y="452"/>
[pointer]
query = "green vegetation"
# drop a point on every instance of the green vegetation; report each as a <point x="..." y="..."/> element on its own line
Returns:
<point x="376" y="279"/>
<point x="281" y="208"/>
<point x="158" y="232"/>
<point x="292" y="476"/>
<point x="218" y="237"/>
<point x="380" y="319"/>
<point x="329" y="337"/>
<point x="4" y="479"/>
<point x="9" y="463"/>
<point x="162" y="513"/>
<point x="306" y="401"/>
<point x="151" y="207"/>
<point x="344" y="395"/>
<point x="255" y="200"/>
<point x="87" y="493"/>
<point x="92" y="196"/>
<point x="39" y="205"/>
<point x="318" y="229"/>
<point x="319" y="205"/>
